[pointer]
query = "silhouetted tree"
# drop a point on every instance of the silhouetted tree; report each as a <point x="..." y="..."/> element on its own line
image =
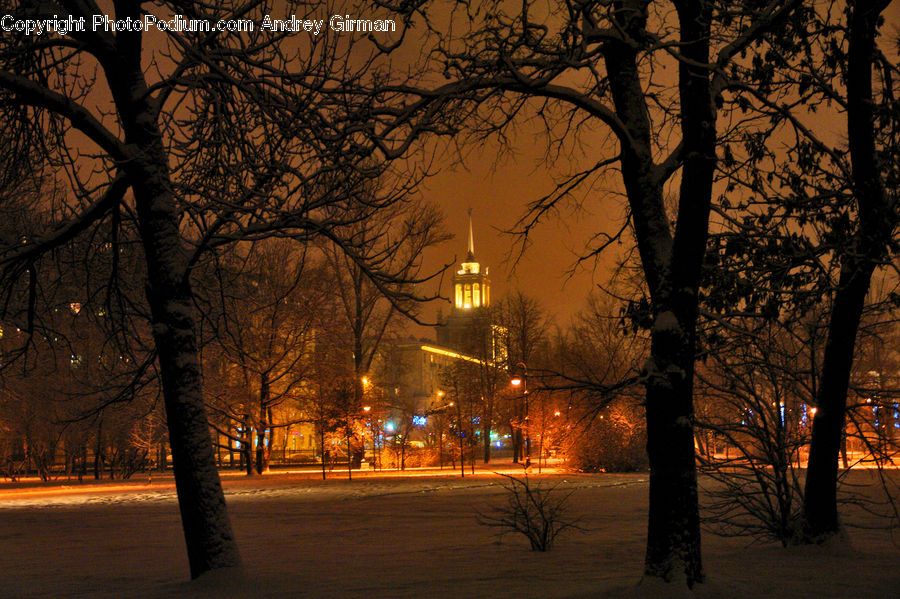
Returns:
<point x="181" y="160"/>
<point x="809" y="225"/>
<point x="878" y="217"/>
<point x="571" y="64"/>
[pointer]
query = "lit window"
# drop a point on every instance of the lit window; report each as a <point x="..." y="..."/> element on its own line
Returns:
<point x="459" y="296"/>
<point x="467" y="299"/>
<point x="476" y="295"/>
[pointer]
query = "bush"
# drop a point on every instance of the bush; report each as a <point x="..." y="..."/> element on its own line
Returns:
<point x="536" y="511"/>
<point x="614" y="441"/>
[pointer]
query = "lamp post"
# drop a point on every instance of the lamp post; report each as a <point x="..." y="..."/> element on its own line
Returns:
<point x="367" y="410"/>
<point x="440" y="395"/>
<point x="520" y="379"/>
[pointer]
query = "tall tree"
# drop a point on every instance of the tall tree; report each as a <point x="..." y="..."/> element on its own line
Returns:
<point x="603" y="65"/>
<point x="872" y="242"/>
<point x="192" y="153"/>
<point x="368" y="309"/>
<point x="522" y="325"/>
<point x="816" y="216"/>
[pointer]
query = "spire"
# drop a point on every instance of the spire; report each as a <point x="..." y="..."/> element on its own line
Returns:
<point x="470" y="256"/>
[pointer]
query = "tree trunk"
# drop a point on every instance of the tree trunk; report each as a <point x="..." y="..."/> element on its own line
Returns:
<point x="247" y="455"/>
<point x="207" y="529"/>
<point x="486" y="418"/>
<point x="820" y="512"/>
<point x="163" y="456"/>
<point x="877" y="220"/>
<point x="462" y="456"/>
<point x="672" y="266"/>
<point x="673" y="534"/>
<point x="349" y="457"/>
<point x="98" y="451"/>
<point x="82" y="471"/>
<point x="204" y="517"/>
<point x="322" y="448"/>
<point x="262" y="432"/>
<point x="844" y="459"/>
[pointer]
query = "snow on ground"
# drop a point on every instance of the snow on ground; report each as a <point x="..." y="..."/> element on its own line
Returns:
<point x="391" y="535"/>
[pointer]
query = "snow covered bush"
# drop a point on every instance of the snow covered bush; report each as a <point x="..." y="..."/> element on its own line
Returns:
<point x="533" y="510"/>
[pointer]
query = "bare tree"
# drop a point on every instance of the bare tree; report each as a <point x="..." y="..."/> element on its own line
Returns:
<point x="189" y="155"/>
<point x="596" y="362"/>
<point x="593" y="64"/>
<point x="756" y="412"/>
<point x="525" y="322"/>
<point x="368" y="311"/>
<point x="262" y="313"/>
<point x="878" y="219"/>
<point x="818" y="218"/>
<point x="522" y="324"/>
<point x="535" y="511"/>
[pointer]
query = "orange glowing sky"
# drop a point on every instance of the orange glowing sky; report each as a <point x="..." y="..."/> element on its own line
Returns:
<point x="498" y="192"/>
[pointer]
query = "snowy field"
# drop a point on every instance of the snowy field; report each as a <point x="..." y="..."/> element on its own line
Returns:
<point x="392" y="536"/>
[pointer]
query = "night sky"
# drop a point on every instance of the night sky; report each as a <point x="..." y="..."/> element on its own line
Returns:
<point x="498" y="193"/>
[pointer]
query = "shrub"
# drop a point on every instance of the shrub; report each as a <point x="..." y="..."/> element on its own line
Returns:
<point x="614" y="441"/>
<point x="533" y="510"/>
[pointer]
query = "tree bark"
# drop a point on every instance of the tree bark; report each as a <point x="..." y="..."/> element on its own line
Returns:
<point x="262" y="432"/>
<point x="487" y="417"/>
<point x="322" y="447"/>
<point x="207" y="528"/>
<point x="671" y="266"/>
<point x="877" y="220"/>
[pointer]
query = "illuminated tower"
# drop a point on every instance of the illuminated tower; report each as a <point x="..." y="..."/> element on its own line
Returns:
<point x="468" y="327"/>
<point x="471" y="287"/>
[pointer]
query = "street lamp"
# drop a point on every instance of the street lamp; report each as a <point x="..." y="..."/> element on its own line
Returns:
<point x="371" y="402"/>
<point x="520" y="379"/>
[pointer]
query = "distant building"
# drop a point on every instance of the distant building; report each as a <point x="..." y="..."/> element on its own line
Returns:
<point x="466" y="334"/>
<point x="469" y="329"/>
